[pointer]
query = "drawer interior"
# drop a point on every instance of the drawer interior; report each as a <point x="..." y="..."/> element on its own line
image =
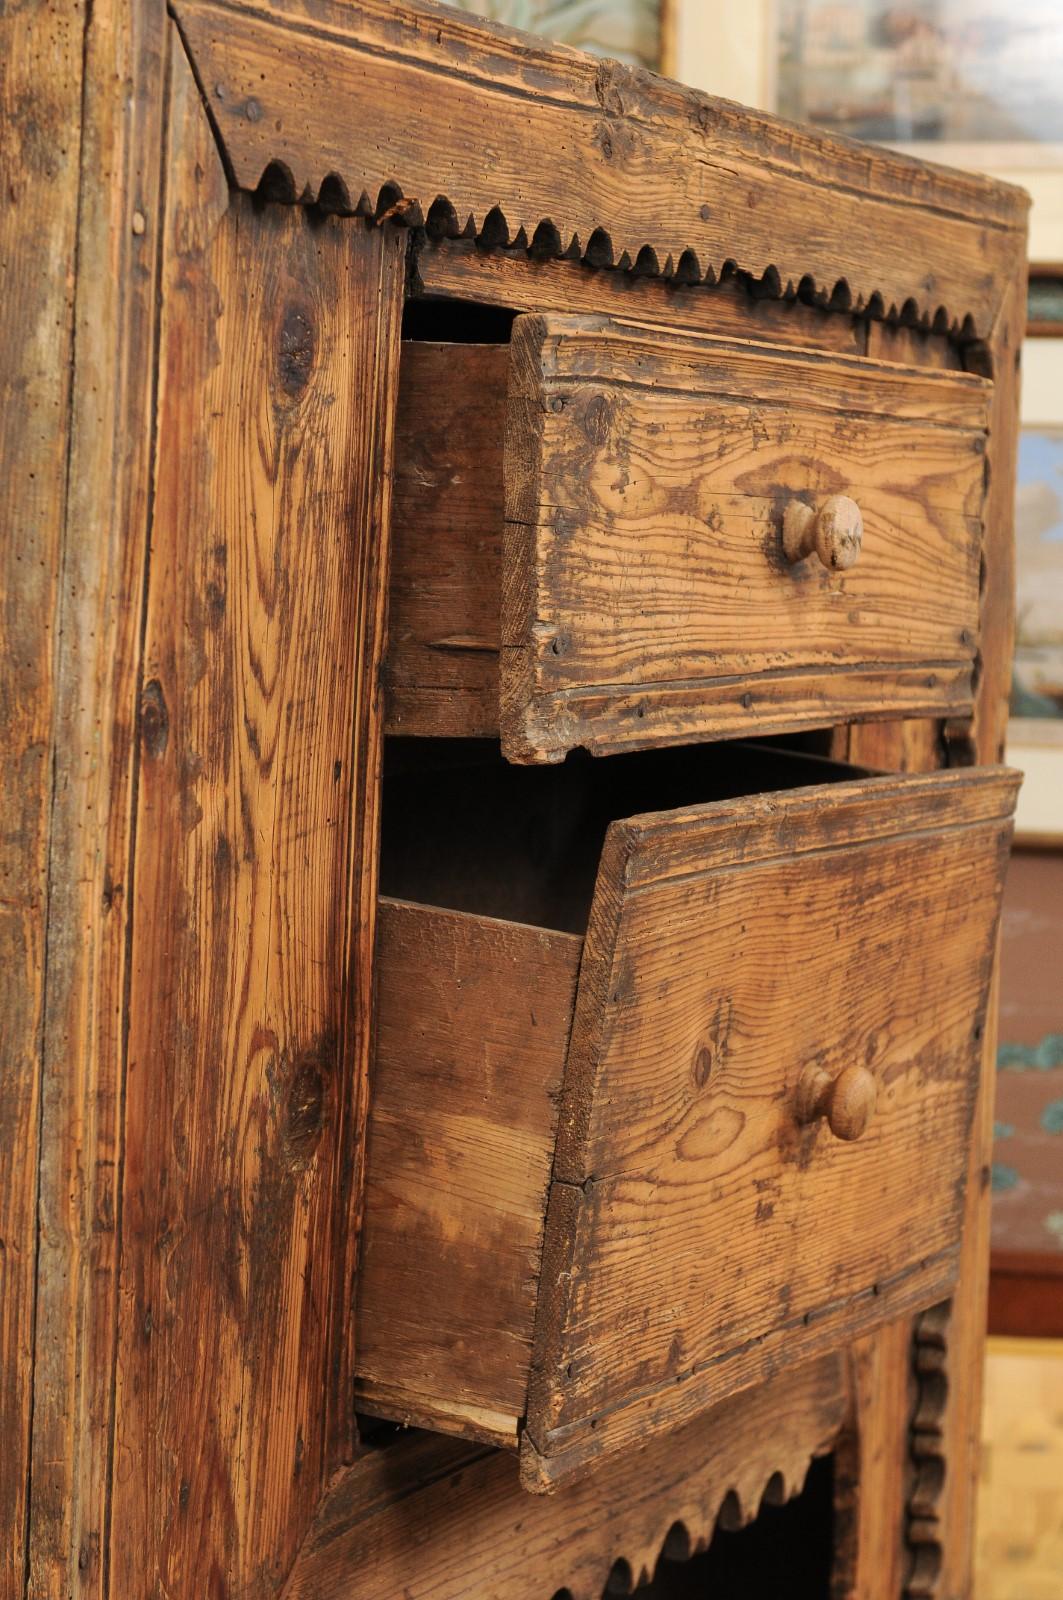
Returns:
<point x="464" y="829"/>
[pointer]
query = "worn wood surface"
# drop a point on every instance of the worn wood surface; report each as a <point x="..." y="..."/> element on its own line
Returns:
<point x="680" y="599"/>
<point x="253" y="870"/>
<point x="458" y="269"/>
<point x="446" y="579"/>
<point x="597" y="158"/>
<point x="962" y="1421"/>
<point x="465" y="1083"/>
<point x="99" y="634"/>
<point x="646" y="479"/>
<point x="95" y="669"/>
<point x="897" y="747"/>
<point x="463" y="1525"/>
<point x="40" y="111"/>
<point x="677" y="1115"/>
<point x="913" y="346"/>
<point x="872" y="1469"/>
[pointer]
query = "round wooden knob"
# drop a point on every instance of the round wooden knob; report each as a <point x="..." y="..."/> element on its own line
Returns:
<point x="835" y="532"/>
<point x="846" y="1101"/>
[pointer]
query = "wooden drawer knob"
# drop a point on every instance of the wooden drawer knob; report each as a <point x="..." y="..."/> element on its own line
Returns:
<point x="834" y="532"/>
<point x="846" y="1101"/>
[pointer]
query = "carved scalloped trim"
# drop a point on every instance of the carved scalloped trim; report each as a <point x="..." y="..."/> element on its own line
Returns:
<point x="688" y="1536"/>
<point x="443" y="220"/>
<point x="923" y="1534"/>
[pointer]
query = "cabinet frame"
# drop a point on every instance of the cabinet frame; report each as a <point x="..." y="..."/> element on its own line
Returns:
<point x="225" y="111"/>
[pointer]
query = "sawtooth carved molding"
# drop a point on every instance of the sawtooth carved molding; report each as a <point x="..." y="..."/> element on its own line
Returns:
<point x="927" y="1448"/>
<point x="584" y="160"/>
<point x="462" y="1509"/>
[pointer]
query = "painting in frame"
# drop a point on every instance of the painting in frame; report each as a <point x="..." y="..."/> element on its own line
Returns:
<point x="635" y="31"/>
<point x="1035" y="728"/>
<point x="968" y="83"/>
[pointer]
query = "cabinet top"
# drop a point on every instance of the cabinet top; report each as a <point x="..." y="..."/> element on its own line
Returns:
<point x="416" y="113"/>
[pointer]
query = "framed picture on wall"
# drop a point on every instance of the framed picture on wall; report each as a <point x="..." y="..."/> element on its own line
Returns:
<point x="1035" y="730"/>
<point x="637" y="31"/>
<point x="970" y="83"/>
<point x="1045" y="319"/>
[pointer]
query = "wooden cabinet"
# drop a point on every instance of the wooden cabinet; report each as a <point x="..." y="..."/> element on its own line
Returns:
<point x="643" y="1138"/>
<point x="507" y="577"/>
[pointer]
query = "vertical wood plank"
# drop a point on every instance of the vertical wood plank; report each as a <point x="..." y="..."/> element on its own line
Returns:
<point x="871" y="1468"/>
<point x="40" y="113"/>
<point x="961" y="1424"/>
<point x="258" y="740"/>
<point x="911" y="745"/>
<point x="946" y="1526"/>
<point x="101" y="580"/>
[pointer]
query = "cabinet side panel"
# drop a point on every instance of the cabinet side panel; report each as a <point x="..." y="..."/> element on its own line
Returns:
<point x="40" y="110"/>
<point x="97" y="666"/>
<point x="254" y="887"/>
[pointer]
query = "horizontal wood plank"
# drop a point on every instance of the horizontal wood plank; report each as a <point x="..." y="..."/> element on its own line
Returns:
<point x="511" y="134"/>
<point x="459" y="269"/>
<point x="575" y="349"/>
<point x="462" y="1523"/>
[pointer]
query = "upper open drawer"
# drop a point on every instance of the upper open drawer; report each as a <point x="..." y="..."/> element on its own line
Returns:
<point x="613" y="536"/>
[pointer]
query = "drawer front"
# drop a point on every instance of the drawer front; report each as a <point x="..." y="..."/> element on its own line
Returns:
<point x="764" y="1120"/>
<point x="660" y="489"/>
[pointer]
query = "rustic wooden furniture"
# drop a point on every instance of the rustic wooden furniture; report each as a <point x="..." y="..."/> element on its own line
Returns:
<point x="369" y="371"/>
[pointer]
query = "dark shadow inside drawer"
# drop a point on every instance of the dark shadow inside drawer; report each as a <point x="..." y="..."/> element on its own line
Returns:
<point x="463" y="828"/>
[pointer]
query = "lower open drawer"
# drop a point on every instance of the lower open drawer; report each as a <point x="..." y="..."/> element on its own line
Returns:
<point x="663" y="1101"/>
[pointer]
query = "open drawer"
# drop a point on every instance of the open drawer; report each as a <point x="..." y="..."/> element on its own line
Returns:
<point x="663" y="1104"/>
<point x="612" y="536"/>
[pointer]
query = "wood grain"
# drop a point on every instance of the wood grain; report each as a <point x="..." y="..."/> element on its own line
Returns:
<point x="248" y="1001"/>
<point x="461" y="1142"/>
<point x="612" y="161"/>
<point x="40" y="110"/>
<point x="677" y="1117"/>
<point x="872" y="1467"/>
<point x="646" y="480"/>
<point x="463" y="1525"/>
<point x="458" y="269"/>
<point x="98" y="659"/>
<point x="962" y="1422"/>
<point x="446" y="578"/>
<point x="902" y="746"/>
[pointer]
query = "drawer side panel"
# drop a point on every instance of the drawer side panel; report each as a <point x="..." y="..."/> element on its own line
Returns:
<point x="472" y="1022"/>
